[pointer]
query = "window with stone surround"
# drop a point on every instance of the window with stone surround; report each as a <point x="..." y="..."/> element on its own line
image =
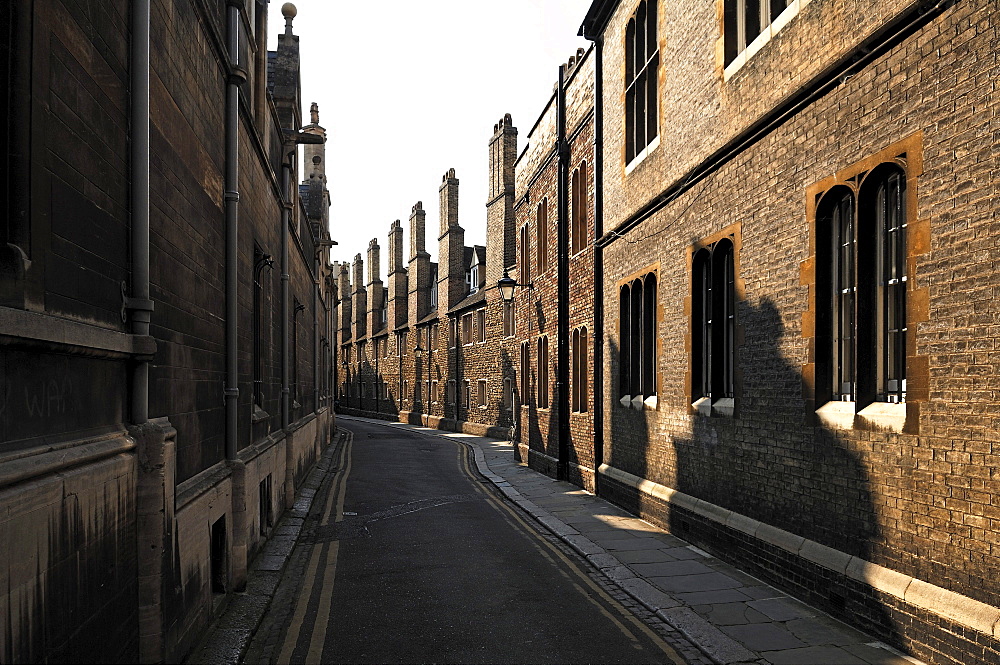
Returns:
<point x="863" y="312"/>
<point x="542" y="399"/>
<point x="863" y="303"/>
<point x="482" y="393"/>
<point x="508" y="318"/>
<point x="578" y="232"/>
<point x="525" y="370"/>
<point x="467" y="329"/>
<point x="525" y="255"/>
<point x="642" y="64"/>
<point x="580" y="391"/>
<point x="481" y="325"/>
<point x="713" y="327"/>
<point x="637" y="339"/>
<point x="542" y="236"/>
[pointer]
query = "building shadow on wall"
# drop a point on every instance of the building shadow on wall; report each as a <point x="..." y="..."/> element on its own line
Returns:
<point x="766" y="463"/>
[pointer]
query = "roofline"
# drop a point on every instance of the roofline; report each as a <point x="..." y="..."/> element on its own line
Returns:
<point x="597" y="18"/>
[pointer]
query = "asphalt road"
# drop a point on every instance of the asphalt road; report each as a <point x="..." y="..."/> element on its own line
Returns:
<point x="409" y="556"/>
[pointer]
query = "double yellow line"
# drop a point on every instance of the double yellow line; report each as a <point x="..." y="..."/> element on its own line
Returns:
<point x="322" y="566"/>
<point x="553" y="554"/>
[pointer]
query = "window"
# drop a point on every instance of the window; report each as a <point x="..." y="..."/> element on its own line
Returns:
<point x="542" y="399"/>
<point x="474" y="279"/>
<point x="482" y="393"/>
<point x="542" y="236"/>
<point x="434" y="391"/>
<point x="508" y="319"/>
<point x="713" y="325"/>
<point x="745" y="19"/>
<point x="451" y="391"/>
<point x="400" y="344"/>
<point x="417" y="392"/>
<point x="405" y="392"/>
<point x="481" y="324"/>
<point x="508" y="394"/>
<point x="861" y="316"/>
<point x="452" y="333"/>
<point x="525" y="258"/>
<point x="432" y="343"/>
<point x="637" y="333"/>
<point x="580" y="395"/>
<point x="525" y="370"/>
<point x="642" y="62"/>
<point x="467" y="394"/>
<point x="578" y="235"/>
<point x="467" y="332"/>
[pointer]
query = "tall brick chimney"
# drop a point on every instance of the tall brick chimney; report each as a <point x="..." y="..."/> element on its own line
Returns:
<point x="398" y="293"/>
<point x="451" y="246"/>
<point x="420" y="267"/>
<point x="344" y="289"/>
<point x="500" y="223"/>
<point x="376" y="292"/>
<point x="360" y="298"/>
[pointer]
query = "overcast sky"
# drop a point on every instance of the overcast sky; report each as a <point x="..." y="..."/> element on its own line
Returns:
<point x="407" y="90"/>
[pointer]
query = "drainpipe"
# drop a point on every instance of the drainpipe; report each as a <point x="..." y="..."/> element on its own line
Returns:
<point x="286" y="213"/>
<point x="598" y="261"/>
<point x="236" y="77"/>
<point x="562" y="281"/>
<point x="139" y="304"/>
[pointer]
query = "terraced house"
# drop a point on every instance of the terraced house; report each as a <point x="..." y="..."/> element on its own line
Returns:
<point x="164" y="318"/>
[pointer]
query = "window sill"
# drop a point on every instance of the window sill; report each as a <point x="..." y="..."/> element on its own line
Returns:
<point x="724" y="407"/>
<point x="882" y="416"/>
<point x="641" y="157"/>
<point x="639" y="403"/>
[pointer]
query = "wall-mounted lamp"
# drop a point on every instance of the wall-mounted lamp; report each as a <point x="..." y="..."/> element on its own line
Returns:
<point x="506" y="284"/>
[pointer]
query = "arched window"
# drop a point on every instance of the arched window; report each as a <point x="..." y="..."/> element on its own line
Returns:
<point x="578" y="235"/>
<point x="861" y="288"/>
<point x="713" y="325"/>
<point x="542" y="400"/>
<point x="542" y="236"/>
<point x="637" y="327"/>
<point x="580" y="393"/>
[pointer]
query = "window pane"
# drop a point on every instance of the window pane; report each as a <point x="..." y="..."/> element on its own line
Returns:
<point x="624" y="339"/>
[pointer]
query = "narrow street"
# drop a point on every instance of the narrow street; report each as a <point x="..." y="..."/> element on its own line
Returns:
<point x="408" y="556"/>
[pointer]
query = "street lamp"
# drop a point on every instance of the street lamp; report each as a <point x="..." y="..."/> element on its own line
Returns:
<point x="506" y="284"/>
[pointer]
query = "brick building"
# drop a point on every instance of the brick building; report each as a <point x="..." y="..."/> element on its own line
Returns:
<point x="163" y="389"/>
<point x="437" y="345"/>
<point x="797" y="220"/>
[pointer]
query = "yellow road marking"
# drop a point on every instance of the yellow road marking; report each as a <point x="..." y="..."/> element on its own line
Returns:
<point x="295" y="626"/>
<point x="322" y="620"/>
<point x="670" y="652"/>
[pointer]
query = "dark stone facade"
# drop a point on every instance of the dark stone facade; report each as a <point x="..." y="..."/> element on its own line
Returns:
<point x="121" y="540"/>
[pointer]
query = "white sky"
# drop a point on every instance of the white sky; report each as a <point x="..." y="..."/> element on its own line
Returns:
<point x="407" y="90"/>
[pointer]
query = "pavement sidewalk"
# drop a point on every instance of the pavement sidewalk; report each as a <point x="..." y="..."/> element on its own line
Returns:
<point x="731" y="616"/>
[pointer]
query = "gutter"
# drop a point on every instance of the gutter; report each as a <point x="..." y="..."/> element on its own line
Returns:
<point x="562" y="281"/>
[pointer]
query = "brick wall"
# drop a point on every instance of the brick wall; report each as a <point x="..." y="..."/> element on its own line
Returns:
<point x="918" y="501"/>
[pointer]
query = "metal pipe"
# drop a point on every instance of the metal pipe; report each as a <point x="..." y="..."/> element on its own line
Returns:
<point x="286" y="210"/>
<point x="562" y="280"/>
<point x="315" y="363"/>
<point x="598" y="259"/>
<point x="140" y="305"/>
<point x="234" y="79"/>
